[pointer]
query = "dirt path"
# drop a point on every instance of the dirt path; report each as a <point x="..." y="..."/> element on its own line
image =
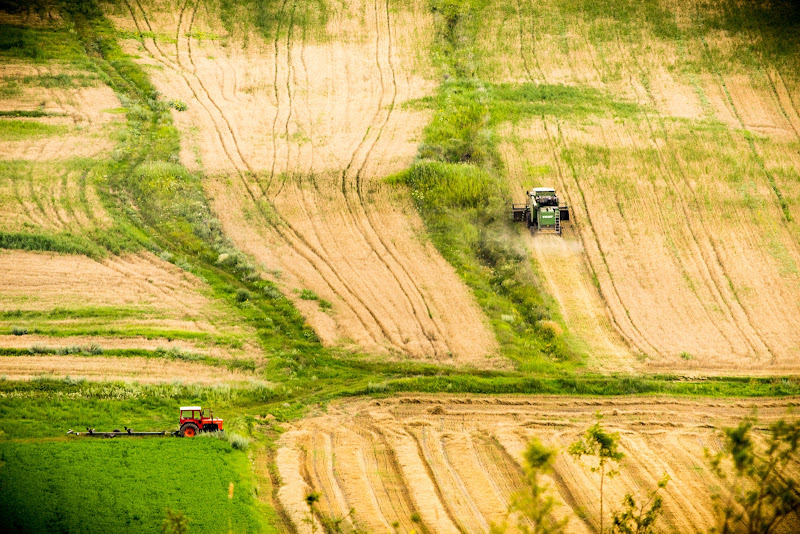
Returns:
<point x="297" y="135"/>
<point x="456" y="461"/>
<point x="103" y="368"/>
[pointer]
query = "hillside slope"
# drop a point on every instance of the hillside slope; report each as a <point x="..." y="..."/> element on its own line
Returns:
<point x="685" y="212"/>
<point x="296" y="135"/>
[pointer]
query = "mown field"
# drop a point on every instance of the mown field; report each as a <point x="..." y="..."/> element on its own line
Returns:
<point x="267" y="207"/>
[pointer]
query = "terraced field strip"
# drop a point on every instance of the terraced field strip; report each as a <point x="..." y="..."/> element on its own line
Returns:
<point x="111" y="368"/>
<point x="309" y="202"/>
<point x="456" y="461"/>
<point x="132" y="301"/>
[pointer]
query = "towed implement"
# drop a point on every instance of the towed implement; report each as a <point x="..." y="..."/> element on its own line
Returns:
<point x="192" y="420"/>
<point x="541" y="211"/>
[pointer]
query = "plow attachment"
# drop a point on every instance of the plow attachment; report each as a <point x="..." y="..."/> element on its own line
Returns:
<point x="91" y="432"/>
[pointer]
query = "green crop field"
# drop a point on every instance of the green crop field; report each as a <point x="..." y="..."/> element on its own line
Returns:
<point x="126" y="486"/>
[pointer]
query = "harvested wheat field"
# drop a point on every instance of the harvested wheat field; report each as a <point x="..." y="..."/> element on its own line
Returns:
<point x="132" y="301"/>
<point x="109" y="368"/>
<point x="456" y="461"/>
<point x="683" y="236"/>
<point x="298" y="133"/>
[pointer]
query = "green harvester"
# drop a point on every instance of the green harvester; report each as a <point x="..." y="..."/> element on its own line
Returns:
<point x="541" y="211"/>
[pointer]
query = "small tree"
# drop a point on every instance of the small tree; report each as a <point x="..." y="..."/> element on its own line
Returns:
<point x="175" y="522"/>
<point x="311" y="500"/>
<point x="603" y="445"/>
<point x="533" y="503"/>
<point x="765" y="489"/>
<point x="639" y="519"/>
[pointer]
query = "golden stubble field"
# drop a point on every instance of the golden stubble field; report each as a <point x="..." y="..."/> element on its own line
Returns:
<point x="457" y="460"/>
<point x="297" y="135"/>
<point x="679" y="257"/>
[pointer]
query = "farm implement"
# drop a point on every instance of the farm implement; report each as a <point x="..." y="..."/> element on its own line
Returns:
<point x="193" y="420"/>
<point x="541" y="211"/>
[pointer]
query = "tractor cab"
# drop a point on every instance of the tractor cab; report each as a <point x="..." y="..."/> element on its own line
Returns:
<point x="194" y="419"/>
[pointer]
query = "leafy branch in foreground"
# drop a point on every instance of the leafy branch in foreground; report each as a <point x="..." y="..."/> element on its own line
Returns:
<point x="603" y="445"/>
<point x="764" y="488"/>
<point x="534" y="505"/>
<point x="641" y="518"/>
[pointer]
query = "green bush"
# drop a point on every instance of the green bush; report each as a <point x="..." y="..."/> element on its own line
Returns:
<point x="177" y="104"/>
<point x="19" y="330"/>
<point x="438" y="185"/>
<point x="308" y="294"/>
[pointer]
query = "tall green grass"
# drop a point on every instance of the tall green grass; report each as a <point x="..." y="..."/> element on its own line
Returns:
<point x="16" y="130"/>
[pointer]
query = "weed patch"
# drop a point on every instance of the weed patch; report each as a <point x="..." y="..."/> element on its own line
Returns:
<point x="16" y="130"/>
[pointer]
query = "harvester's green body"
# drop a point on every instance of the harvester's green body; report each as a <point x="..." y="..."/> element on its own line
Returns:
<point x="541" y="211"/>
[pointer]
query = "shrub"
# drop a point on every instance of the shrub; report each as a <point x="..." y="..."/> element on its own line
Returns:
<point x="237" y="442"/>
<point x="242" y="295"/>
<point x="94" y="349"/>
<point x="19" y="330"/>
<point x="177" y="104"/>
<point x="272" y="292"/>
<point x="308" y="294"/>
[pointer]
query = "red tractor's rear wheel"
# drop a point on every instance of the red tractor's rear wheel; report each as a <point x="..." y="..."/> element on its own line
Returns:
<point x="189" y="430"/>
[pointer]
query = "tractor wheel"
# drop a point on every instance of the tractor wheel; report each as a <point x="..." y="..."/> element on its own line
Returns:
<point x="189" y="430"/>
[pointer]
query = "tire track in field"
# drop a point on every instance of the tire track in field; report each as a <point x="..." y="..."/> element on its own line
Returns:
<point x="399" y="491"/>
<point x="292" y="237"/>
<point x="417" y="299"/>
<point x="770" y="178"/>
<point x="311" y="216"/>
<point x="374" y="474"/>
<point x="277" y="99"/>
<point x="397" y="342"/>
<point x="387" y="334"/>
<point x="641" y="343"/>
<point x="711" y="261"/>
<point x="702" y="266"/>
<point x="733" y="306"/>
<point x="286" y="174"/>
<point x="787" y="216"/>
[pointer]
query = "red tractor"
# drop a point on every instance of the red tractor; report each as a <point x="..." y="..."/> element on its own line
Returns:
<point x="195" y="419"/>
